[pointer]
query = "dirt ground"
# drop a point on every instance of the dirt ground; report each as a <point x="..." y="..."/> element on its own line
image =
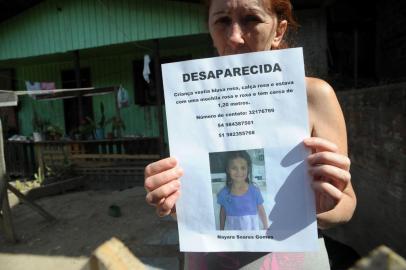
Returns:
<point x="83" y="223"/>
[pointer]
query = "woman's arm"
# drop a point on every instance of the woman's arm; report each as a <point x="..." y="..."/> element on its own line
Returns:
<point x="222" y="218"/>
<point x="262" y="216"/>
<point x="329" y="164"/>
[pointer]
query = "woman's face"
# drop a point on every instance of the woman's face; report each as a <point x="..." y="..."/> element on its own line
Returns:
<point x="238" y="170"/>
<point x="241" y="26"/>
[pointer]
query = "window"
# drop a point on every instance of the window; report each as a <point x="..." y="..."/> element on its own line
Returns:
<point x="146" y="94"/>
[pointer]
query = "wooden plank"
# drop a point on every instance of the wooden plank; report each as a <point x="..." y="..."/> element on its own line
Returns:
<point x="113" y="255"/>
<point x="3" y="188"/>
<point x="2" y="160"/>
<point x="132" y="168"/>
<point x="113" y="173"/>
<point x="56" y="188"/>
<point x="110" y="171"/>
<point x="31" y="203"/>
<point x="111" y="146"/>
<point x="109" y="163"/>
<point x="115" y="156"/>
<point x="1" y="223"/>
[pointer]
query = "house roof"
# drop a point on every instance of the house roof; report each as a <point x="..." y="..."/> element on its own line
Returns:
<point x="52" y="27"/>
<point x="11" y="8"/>
<point x="31" y="28"/>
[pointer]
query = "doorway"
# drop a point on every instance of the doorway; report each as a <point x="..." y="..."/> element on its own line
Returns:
<point x="71" y="105"/>
<point x="8" y="115"/>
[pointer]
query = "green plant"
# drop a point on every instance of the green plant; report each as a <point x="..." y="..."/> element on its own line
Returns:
<point x="53" y="131"/>
<point x="24" y="186"/>
<point x="39" y="176"/>
<point x="102" y="123"/>
<point x="117" y="126"/>
<point x="86" y="128"/>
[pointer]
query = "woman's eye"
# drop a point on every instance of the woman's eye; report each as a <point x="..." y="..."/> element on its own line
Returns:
<point x="251" y="19"/>
<point x="223" y="20"/>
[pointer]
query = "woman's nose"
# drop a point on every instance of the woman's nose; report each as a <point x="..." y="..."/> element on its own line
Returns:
<point x="235" y="36"/>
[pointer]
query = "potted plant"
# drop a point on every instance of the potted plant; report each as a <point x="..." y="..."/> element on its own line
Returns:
<point x="117" y="126"/>
<point x="99" y="128"/>
<point x="86" y="129"/>
<point x="54" y="132"/>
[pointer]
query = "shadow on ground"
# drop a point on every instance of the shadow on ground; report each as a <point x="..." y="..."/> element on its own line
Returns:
<point x="83" y="223"/>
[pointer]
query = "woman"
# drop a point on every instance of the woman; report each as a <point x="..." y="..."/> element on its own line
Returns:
<point x="240" y="26"/>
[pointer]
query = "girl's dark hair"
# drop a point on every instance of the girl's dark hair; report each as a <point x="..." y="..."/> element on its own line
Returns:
<point x="233" y="155"/>
<point x="283" y="10"/>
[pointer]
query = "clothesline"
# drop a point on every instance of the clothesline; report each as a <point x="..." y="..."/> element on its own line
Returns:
<point x="10" y="97"/>
<point x="44" y="92"/>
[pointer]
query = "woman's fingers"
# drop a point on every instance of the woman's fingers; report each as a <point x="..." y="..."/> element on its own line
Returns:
<point x="329" y="168"/>
<point x="318" y="144"/>
<point x="339" y="177"/>
<point x="163" y="185"/>
<point x="158" y="195"/>
<point x="160" y="166"/>
<point x="330" y="158"/>
<point x="154" y="181"/>
<point x="327" y="189"/>
<point x="166" y="206"/>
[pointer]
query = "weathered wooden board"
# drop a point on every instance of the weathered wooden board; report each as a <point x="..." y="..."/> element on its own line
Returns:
<point x="113" y="255"/>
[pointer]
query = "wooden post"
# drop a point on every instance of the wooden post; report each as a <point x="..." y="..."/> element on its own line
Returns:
<point x="38" y="147"/>
<point x="159" y="91"/>
<point x="5" y="217"/>
<point x="7" y="220"/>
<point x="78" y="84"/>
<point x="115" y="93"/>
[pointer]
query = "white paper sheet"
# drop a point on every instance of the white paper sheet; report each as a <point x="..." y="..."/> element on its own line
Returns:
<point x="256" y="103"/>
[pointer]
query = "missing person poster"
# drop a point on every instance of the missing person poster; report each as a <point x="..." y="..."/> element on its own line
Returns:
<point x="236" y="125"/>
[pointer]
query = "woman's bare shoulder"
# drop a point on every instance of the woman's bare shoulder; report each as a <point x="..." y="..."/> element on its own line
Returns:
<point x="318" y="91"/>
<point x="326" y="117"/>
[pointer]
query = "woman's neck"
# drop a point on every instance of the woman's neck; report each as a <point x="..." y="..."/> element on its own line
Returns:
<point x="239" y="188"/>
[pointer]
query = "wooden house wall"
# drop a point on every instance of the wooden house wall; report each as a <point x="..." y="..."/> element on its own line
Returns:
<point x="65" y="25"/>
<point x="105" y="71"/>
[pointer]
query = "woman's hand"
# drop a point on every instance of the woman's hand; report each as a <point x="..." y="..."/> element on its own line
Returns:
<point x="331" y="180"/>
<point x="162" y="185"/>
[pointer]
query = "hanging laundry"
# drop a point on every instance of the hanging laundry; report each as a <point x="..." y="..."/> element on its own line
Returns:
<point x="146" y="70"/>
<point x="32" y="86"/>
<point x="48" y="86"/>
<point x="122" y="98"/>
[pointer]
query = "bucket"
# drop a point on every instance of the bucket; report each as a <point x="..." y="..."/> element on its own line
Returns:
<point x="37" y="136"/>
